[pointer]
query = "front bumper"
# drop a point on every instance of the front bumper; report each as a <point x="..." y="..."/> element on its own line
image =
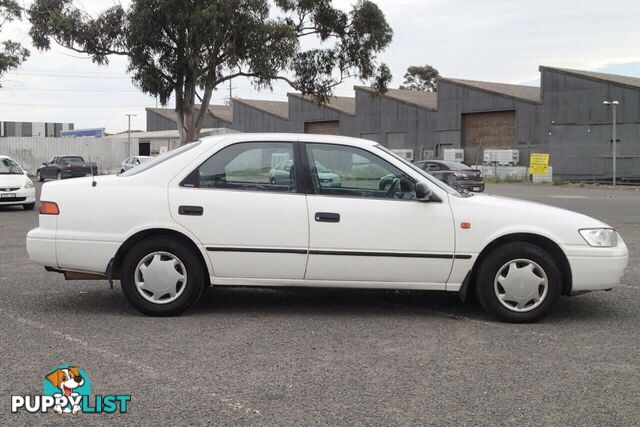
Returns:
<point x="595" y="269"/>
<point x="23" y="196"/>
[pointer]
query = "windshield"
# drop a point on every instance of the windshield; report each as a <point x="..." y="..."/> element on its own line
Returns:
<point x="456" y="166"/>
<point x="430" y="178"/>
<point x="161" y="158"/>
<point x="70" y="159"/>
<point x="9" y="167"/>
<point x="320" y="168"/>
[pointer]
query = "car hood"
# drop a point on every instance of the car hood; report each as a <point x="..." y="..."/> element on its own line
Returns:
<point x="504" y="215"/>
<point x="13" y="181"/>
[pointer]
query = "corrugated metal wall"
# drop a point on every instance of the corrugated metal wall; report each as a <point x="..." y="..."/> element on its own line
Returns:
<point x="30" y="153"/>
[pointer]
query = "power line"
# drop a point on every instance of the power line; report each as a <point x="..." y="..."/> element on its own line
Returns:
<point x="12" y="104"/>
<point x="71" y="75"/>
<point x="71" y="90"/>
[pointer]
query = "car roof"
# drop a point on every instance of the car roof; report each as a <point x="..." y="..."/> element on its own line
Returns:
<point x="449" y="163"/>
<point x="289" y="137"/>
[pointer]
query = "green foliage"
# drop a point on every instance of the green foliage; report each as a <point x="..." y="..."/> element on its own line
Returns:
<point x="423" y="78"/>
<point x="12" y="54"/>
<point x="176" y="47"/>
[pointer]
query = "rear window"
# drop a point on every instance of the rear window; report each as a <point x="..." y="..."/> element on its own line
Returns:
<point x="160" y="159"/>
<point x="72" y="159"/>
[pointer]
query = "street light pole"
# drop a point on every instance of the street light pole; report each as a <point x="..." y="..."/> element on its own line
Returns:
<point x="129" y="131"/>
<point x="614" y="153"/>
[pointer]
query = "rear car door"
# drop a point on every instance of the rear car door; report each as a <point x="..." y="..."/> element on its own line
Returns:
<point x="370" y="228"/>
<point x="250" y="226"/>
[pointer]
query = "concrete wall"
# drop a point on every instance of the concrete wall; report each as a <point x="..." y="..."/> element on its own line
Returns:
<point x="31" y="152"/>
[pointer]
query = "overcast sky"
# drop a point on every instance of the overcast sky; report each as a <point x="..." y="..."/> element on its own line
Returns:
<point x="502" y="41"/>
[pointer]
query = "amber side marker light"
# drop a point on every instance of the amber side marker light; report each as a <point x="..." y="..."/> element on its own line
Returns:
<point x="465" y="225"/>
<point x="49" y="208"/>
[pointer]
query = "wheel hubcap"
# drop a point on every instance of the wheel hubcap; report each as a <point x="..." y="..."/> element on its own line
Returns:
<point x="521" y="285"/>
<point x="160" y="277"/>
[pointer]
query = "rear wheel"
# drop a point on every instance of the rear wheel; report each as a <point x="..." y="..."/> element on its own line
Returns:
<point x="518" y="282"/>
<point x="59" y="175"/>
<point x="39" y="176"/>
<point x="162" y="277"/>
<point x="29" y="206"/>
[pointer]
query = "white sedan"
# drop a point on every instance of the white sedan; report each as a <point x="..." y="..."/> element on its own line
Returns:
<point x="207" y="214"/>
<point x="16" y="189"/>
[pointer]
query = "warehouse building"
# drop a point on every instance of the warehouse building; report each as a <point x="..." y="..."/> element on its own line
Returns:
<point x="564" y="117"/>
<point x="33" y="129"/>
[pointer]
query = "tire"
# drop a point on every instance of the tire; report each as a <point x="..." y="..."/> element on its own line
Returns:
<point x="188" y="291"/>
<point x="29" y="206"/>
<point x="122" y="171"/>
<point x="39" y="176"/>
<point x="273" y="181"/>
<point x="495" y="270"/>
<point x="59" y="175"/>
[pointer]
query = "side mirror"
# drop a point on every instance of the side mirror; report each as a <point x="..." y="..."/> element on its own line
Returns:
<point x="424" y="193"/>
<point x="44" y="164"/>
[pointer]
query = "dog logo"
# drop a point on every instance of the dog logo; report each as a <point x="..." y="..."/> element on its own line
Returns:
<point x="67" y="390"/>
<point x="70" y="383"/>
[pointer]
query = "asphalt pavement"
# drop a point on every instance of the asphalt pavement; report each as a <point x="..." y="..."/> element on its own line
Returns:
<point x="317" y="356"/>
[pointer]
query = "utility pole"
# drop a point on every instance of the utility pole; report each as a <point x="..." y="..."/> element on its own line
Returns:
<point x="129" y="131"/>
<point x="614" y="104"/>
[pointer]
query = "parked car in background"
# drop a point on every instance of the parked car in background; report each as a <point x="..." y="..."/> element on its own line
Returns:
<point x="132" y="162"/>
<point x="15" y="186"/>
<point x="200" y="215"/>
<point x="457" y="175"/>
<point x="281" y="174"/>
<point x="61" y="167"/>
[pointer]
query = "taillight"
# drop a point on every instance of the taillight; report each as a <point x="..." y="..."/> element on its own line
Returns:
<point x="49" y="208"/>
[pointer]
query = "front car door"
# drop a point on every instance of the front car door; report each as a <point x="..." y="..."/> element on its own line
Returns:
<point x="252" y="228"/>
<point x="370" y="230"/>
<point x="47" y="169"/>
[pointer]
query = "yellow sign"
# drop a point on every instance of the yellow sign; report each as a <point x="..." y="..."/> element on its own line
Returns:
<point x="539" y="164"/>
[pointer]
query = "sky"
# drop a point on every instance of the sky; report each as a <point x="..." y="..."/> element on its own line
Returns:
<point x="491" y="40"/>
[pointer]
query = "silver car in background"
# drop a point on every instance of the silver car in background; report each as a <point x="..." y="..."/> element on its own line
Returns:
<point x="132" y="162"/>
<point x="281" y="174"/>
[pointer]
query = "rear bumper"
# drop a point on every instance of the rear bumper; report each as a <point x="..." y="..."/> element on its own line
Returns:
<point x="23" y="196"/>
<point x="471" y="185"/>
<point x="594" y="269"/>
<point x="41" y="247"/>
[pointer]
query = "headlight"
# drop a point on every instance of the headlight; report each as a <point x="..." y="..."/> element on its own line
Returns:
<point x="600" y="237"/>
<point x="28" y="183"/>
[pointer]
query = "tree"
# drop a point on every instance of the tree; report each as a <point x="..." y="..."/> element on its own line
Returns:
<point x="423" y="78"/>
<point x="12" y="54"/>
<point x="184" y="47"/>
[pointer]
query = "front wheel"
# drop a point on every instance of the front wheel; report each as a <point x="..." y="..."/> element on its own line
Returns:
<point x="162" y="277"/>
<point x="39" y="176"/>
<point x="518" y="282"/>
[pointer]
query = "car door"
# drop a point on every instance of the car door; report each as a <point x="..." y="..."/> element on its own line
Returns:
<point x="370" y="228"/>
<point x="50" y="169"/>
<point x="251" y="227"/>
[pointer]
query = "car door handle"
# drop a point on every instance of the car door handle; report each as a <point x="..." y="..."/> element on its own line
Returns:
<point x="191" y="210"/>
<point x="327" y="217"/>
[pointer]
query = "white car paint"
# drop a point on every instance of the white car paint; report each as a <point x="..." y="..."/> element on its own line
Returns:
<point x="16" y="186"/>
<point x="94" y="222"/>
